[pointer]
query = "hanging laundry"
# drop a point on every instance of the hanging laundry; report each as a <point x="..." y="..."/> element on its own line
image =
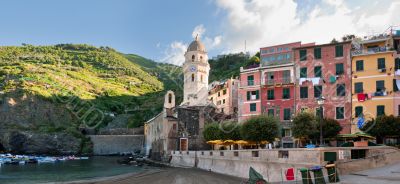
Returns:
<point x="397" y="72"/>
<point x="361" y="97"/>
<point x="301" y="80"/>
<point x="332" y="79"/>
<point x="290" y="174"/>
<point x="360" y="122"/>
<point x="315" y="80"/>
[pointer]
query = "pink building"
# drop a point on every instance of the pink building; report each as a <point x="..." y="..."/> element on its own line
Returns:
<point x="249" y="93"/>
<point x="325" y="70"/>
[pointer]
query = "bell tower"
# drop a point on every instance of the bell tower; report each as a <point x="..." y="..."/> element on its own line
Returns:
<point x="195" y="70"/>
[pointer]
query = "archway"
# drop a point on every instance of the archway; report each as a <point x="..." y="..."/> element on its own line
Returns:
<point x="2" y="149"/>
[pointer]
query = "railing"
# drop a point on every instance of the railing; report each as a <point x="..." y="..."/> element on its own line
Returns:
<point x="286" y="80"/>
<point x="370" y="51"/>
<point x="246" y="83"/>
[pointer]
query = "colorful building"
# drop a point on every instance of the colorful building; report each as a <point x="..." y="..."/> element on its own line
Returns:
<point x="375" y="71"/>
<point x="249" y="93"/>
<point x="325" y="70"/>
<point x="224" y="95"/>
<point x="277" y="86"/>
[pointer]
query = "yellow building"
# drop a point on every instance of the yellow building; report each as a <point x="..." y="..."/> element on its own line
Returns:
<point x="224" y="95"/>
<point x="374" y="89"/>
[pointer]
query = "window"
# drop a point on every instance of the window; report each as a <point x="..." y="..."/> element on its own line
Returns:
<point x="395" y="88"/>
<point x="283" y="154"/>
<point x="398" y="110"/>
<point x="380" y="110"/>
<point x="358" y="87"/>
<point x="340" y="90"/>
<point x="170" y="98"/>
<point x="253" y="95"/>
<point x="303" y="92"/>
<point x="270" y="78"/>
<point x="286" y="93"/>
<point x="223" y="101"/>
<point x="303" y="72"/>
<point x="317" y="71"/>
<point x="192" y="77"/>
<point x="271" y="112"/>
<point x="250" y="80"/>
<point x="339" y="112"/>
<point x="339" y="69"/>
<point x="222" y="109"/>
<point x="286" y="114"/>
<point x="397" y="64"/>
<point x="224" y="92"/>
<point x="339" y="51"/>
<point x="219" y="102"/>
<point x="303" y="55"/>
<point x="358" y="110"/>
<point x="201" y="78"/>
<point x="286" y="76"/>
<point x="253" y="107"/>
<point x="317" y="53"/>
<point x="287" y="133"/>
<point x="359" y="65"/>
<point x="317" y="91"/>
<point x="381" y="63"/>
<point x="270" y="94"/>
<point x="219" y="93"/>
<point x="193" y="58"/>
<point x="380" y="85"/>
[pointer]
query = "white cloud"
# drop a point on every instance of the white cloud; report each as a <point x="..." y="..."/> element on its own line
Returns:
<point x="174" y="53"/>
<point x="198" y="30"/>
<point x="268" y="22"/>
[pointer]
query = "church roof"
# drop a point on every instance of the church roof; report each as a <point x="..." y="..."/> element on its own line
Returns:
<point x="196" y="45"/>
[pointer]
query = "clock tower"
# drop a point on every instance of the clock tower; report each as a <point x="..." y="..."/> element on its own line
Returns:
<point x="195" y="70"/>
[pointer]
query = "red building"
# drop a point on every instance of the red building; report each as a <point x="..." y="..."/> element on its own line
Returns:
<point x="325" y="70"/>
<point x="277" y="86"/>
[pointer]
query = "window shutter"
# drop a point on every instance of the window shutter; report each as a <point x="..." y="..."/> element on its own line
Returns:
<point x="257" y="94"/>
<point x="248" y="95"/>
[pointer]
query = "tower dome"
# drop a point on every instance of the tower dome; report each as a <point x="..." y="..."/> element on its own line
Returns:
<point x="196" y="45"/>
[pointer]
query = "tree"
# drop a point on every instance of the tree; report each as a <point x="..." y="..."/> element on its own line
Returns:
<point x="230" y="131"/>
<point x="330" y="128"/>
<point x="260" y="128"/>
<point x="212" y="131"/>
<point x="383" y="126"/>
<point x="304" y="125"/>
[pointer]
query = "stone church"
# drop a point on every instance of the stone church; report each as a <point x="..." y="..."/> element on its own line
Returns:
<point x="180" y="127"/>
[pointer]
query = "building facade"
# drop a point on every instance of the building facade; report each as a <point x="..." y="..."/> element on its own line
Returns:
<point x="325" y="71"/>
<point x="249" y="93"/>
<point x="277" y="86"/>
<point x="375" y="78"/>
<point x="224" y="95"/>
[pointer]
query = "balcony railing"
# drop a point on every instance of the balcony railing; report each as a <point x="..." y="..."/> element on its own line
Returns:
<point x="286" y="80"/>
<point x="370" y="51"/>
<point x="246" y="83"/>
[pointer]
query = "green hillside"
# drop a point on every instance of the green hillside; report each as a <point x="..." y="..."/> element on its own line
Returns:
<point x="73" y="79"/>
<point x="229" y="66"/>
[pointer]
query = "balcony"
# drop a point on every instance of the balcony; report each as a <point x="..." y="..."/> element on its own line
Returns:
<point x="370" y="51"/>
<point x="271" y="82"/>
<point x="248" y="83"/>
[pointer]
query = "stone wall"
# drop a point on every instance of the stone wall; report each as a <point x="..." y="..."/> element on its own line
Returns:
<point x="116" y="144"/>
<point x="272" y="164"/>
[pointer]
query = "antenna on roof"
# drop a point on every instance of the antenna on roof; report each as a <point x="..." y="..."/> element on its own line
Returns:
<point x="197" y="37"/>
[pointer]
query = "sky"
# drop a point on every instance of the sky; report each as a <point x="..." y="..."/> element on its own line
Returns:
<point x="161" y="30"/>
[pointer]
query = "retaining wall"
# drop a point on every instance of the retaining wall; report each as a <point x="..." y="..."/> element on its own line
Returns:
<point x="116" y="144"/>
<point x="272" y="164"/>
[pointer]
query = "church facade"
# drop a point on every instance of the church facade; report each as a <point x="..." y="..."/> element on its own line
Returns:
<point x="181" y="127"/>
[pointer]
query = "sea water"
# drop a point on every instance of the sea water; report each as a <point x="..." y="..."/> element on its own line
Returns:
<point x="95" y="167"/>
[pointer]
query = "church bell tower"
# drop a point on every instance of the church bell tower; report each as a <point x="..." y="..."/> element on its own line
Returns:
<point x="196" y="70"/>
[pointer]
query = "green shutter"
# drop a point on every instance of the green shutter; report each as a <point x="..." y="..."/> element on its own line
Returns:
<point x="317" y="53"/>
<point x="257" y="94"/>
<point x="339" y="51"/>
<point x="303" y="55"/>
<point x="317" y="71"/>
<point x="358" y="111"/>
<point x="248" y="95"/>
<point x="395" y="88"/>
<point x="303" y="72"/>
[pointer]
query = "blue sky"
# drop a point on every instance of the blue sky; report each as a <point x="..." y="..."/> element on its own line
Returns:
<point x="160" y="30"/>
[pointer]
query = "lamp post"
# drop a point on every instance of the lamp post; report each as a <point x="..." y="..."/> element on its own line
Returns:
<point x="320" y="102"/>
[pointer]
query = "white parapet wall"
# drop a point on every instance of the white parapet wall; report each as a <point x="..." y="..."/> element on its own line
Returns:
<point x="273" y="164"/>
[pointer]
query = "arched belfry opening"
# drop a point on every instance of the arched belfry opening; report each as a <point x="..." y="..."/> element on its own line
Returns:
<point x="193" y="57"/>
